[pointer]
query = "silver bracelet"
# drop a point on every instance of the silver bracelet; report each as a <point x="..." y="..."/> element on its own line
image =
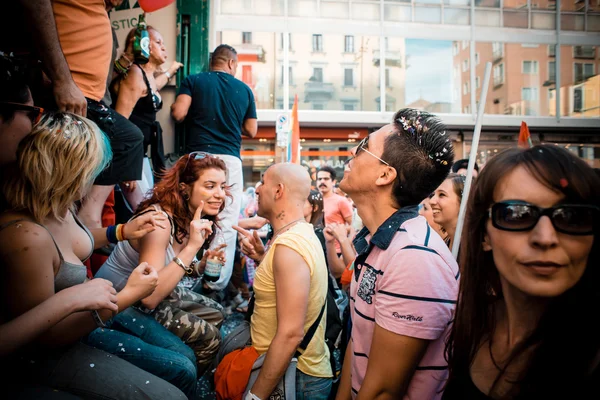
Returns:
<point x="188" y="270"/>
<point x="97" y="319"/>
<point x="168" y="74"/>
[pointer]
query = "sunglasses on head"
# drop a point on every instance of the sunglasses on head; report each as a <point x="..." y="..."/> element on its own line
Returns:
<point x="34" y="113"/>
<point x="362" y="147"/>
<point x="519" y="216"/>
<point x="196" y="155"/>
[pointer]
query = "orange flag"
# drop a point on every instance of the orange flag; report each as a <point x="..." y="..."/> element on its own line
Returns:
<point x="524" y="137"/>
<point x="295" y="125"/>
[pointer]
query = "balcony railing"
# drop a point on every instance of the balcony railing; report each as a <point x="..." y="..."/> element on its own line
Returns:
<point x="498" y="52"/>
<point x="250" y="52"/>
<point x="588" y="52"/>
<point x="392" y="58"/>
<point x="318" y="91"/>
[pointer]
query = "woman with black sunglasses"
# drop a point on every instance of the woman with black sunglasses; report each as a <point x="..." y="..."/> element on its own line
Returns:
<point x="523" y="328"/>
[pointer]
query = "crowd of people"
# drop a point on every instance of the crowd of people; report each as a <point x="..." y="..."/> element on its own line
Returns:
<point x="341" y="288"/>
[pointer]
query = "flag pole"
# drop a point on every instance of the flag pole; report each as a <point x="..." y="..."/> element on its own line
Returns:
<point x="472" y="158"/>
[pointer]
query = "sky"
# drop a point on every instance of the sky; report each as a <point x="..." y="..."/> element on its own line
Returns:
<point x="429" y="72"/>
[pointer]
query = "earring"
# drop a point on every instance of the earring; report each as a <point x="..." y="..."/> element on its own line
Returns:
<point x="185" y="196"/>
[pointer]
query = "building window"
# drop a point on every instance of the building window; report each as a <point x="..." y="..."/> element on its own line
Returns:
<point x="317" y="43"/>
<point x="465" y="65"/>
<point x="317" y="107"/>
<point x="552" y="71"/>
<point x="388" y="84"/>
<point x="317" y="75"/>
<point x="348" y="107"/>
<point x="281" y="41"/>
<point x="578" y="99"/>
<point x="583" y="71"/>
<point x="498" y="74"/>
<point x="349" y="44"/>
<point x="390" y="106"/>
<point x="455" y="48"/>
<point x="465" y="44"/>
<point x="530" y="67"/>
<point x="466" y="88"/>
<point x="552" y="50"/>
<point x="497" y="50"/>
<point x="476" y="82"/>
<point x="529" y="94"/>
<point x="348" y="77"/>
<point x="291" y="76"/>
<point x="246" y="37"/>
<point x="467" y="110"/>
<point x="476" y="58"/>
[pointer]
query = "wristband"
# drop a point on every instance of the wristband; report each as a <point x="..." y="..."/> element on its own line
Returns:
<point x="97" y="319"/>
<point x="111" y="234"/>
<point x="119" y="233"/>
<point x="251" y="396"/>
<point x="168" y="74"/>
<point x="188" y="270"/>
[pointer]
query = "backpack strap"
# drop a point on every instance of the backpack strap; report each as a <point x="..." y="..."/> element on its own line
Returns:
<point x="309" y="333"/>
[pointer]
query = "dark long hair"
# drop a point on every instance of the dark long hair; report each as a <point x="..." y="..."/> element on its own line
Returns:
<point x="566" y="340"/>
<point x="317" y="218"/>
<point x="169" y="195"/>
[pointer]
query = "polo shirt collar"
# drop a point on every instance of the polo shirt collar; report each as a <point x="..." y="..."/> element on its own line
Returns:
<point x="386" y="231"/>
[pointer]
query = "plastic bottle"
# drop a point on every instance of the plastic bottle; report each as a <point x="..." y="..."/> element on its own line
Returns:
<point x="212" y="271"/>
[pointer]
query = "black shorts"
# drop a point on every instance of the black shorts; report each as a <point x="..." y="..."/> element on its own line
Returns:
<point x="126" y="141"/>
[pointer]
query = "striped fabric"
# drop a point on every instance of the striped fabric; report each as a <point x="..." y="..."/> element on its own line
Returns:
<point x="406" y="281"/>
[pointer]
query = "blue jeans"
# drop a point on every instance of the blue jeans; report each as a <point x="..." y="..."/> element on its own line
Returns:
<point x="138" y="338"/>
<point x="312" y="388"/>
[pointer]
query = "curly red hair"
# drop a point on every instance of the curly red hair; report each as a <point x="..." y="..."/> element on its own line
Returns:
<point x="169" y="195"/>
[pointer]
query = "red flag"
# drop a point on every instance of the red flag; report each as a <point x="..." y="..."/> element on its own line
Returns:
<point x="524" y="137"/>
<point x="295" y="125"/>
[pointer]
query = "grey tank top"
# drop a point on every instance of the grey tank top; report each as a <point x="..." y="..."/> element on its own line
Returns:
<point x="69" y="274"/>
<point x="124" y="259"/>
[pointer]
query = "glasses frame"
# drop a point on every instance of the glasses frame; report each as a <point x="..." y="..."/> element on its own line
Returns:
<point x="361" y="147"/>
<point x="34" y="113"/>
<point x="198" y="155"/>
<point x="548" y="212"/>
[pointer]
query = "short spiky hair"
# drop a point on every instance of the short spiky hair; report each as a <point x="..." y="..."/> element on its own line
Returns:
<point x="222" y="54"/>
<point x="421" y="153"/>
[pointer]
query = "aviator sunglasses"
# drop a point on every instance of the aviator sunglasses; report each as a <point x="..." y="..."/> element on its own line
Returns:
<point x="362" y="147"/>
<point x="34" y="113"/>
<point x="196" y="155"/>
<point x="519" y="216"/>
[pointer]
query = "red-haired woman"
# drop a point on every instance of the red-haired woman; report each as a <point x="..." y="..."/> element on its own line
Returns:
<point x="195" y="184"/>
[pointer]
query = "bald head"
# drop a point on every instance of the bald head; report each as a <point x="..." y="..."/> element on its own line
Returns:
<point x="294" y="177"/>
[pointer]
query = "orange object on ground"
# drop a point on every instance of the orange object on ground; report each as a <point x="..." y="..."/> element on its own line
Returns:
<point x="233" y="373"/>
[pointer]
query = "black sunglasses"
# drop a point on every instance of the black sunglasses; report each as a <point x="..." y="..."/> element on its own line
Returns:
<point x="519" y="216"/>
<point x="196" y="155"/>
<point x="34" y="113"/>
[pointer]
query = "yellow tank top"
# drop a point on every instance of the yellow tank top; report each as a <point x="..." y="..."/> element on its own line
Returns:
<point x="301" y="238"/>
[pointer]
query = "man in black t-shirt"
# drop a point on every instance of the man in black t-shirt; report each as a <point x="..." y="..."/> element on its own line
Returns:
<point x="218" y="109"/>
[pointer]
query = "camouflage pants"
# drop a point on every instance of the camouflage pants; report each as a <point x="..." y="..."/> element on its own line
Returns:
<point x="195" y="319"/>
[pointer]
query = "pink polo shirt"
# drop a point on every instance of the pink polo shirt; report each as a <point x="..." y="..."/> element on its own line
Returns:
<point x="409" y="288"/>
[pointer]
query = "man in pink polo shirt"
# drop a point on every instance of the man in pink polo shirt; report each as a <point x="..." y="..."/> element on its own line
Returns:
<point x="405" y="282"/>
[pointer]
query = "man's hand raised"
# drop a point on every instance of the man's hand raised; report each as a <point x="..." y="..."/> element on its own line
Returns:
<point x="251" y="244"/>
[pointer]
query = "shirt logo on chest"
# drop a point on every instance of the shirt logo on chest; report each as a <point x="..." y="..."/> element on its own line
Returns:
<point x="366" y="289"/>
